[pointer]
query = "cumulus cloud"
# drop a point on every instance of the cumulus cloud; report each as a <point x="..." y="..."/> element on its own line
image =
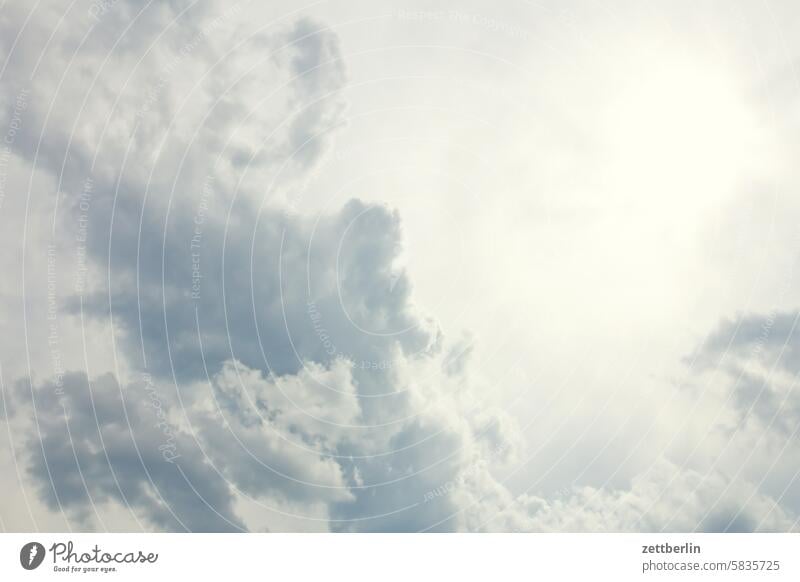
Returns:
<point x="278" y="436"/>
<point x="665" y="498"/>
<point x="291" y="366"/>
<point x="284" y="441"/>
<point x="94" y="441"/>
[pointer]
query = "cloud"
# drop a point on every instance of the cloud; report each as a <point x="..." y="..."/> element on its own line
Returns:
<point x="296" y="440"/>
<point x="665" y="498"/>
<point x="95" y="442"/>
<point x="760" y="356"/>
<point x="757" y="336"/>
<point x="291" y="366"/>
<point x="277" y="436"/>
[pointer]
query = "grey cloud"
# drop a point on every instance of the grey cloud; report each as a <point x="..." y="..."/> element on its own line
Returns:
<point x="95" y="442"/>
<point x="756" y="336"/>
<point x="309" y="338"/>
<point x="281" y="302"/>
<point x="124" y="94"/>
<point x="427" y="455"/>
<point x="760" y="356"/>
<point x="265" y="311"/>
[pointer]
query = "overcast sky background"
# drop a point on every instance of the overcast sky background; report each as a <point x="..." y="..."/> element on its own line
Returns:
<point x="383" y="266"/>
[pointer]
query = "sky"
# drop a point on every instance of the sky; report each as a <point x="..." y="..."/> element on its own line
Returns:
<point x="399" y="266"/>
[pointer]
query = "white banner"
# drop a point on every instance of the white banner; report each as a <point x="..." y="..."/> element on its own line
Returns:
<point x="406" y="557"/>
